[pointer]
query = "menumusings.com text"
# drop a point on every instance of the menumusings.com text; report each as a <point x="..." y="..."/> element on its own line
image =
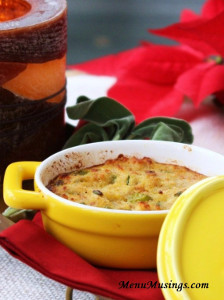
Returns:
<point x="163" y="285"/>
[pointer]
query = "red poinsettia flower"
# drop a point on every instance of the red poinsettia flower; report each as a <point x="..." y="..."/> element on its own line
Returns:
<point x="204" y="34"/>
<point x="152" y="80"/>
<point x="210" y="9"/>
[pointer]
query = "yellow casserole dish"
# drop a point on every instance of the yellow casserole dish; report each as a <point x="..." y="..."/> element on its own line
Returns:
<point x="104" y="237"/>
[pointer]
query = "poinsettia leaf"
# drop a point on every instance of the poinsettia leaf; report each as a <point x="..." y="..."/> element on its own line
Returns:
<point x="82" y="98"/>
<point x="188" y="15"/>
<point x="119" y="124"/>
<point x="89" y="133"/>
<point x="145" y="99"/>
<point x="185" y="33"/>
<point x="109" y="65"/>
<point x="201" y="81"/>
<point x="212" y="8"/>
<point x="160" y="64"/>
<point x="163" y="132"/>
<point x="156" y="63"/>
<point x="160" y="128"/>
<point x="204" y="35"/>
<point x="104" y="112"/>
<point x="118" y="129"/>
<point x="98" y="111"/>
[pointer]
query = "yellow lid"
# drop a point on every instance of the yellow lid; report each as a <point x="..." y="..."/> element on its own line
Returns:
<point x="190" y="255"/>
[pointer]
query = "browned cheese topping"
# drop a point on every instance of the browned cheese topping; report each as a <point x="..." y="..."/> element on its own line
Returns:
<point x="126" y="183"/>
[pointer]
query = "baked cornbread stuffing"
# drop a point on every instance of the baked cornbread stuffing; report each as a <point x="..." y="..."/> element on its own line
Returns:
<point x="126" y="183"/>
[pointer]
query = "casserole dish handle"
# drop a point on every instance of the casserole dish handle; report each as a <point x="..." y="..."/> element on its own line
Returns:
<point x="13" y="193"/>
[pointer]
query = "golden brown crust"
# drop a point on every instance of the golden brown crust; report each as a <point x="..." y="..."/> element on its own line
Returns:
<point x="126" y="183"/>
